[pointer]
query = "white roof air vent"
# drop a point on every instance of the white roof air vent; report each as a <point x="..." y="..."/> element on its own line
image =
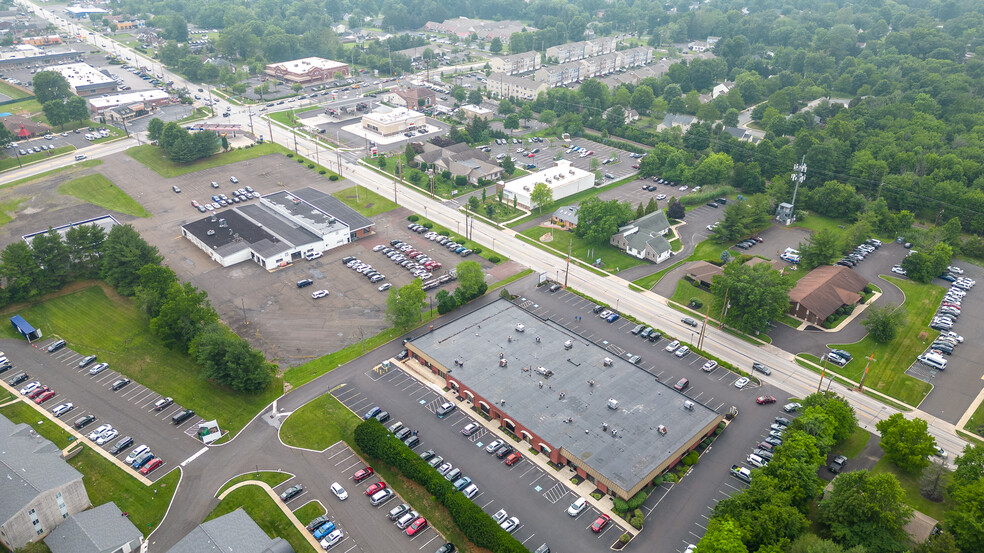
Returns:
<point x="613" y="404"/>
<point x="520" y="327"/>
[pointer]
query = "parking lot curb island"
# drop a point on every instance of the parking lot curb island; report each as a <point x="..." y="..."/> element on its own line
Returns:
<point x="283" y="507"/>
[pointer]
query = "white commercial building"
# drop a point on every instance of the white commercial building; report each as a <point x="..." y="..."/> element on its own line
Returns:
<point x="279" y="230"/>
<point x="386" y="121"/>
<point x="84" y="79"/>
<point x="150" y="98"/>
<point x="563" y="179"/>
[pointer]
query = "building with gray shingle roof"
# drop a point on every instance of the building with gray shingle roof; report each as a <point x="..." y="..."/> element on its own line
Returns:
<point x="233" y="532"/>
<point x="38" y="489"/>
<point x="103" y="529"/>
<point x="643" y="238"/>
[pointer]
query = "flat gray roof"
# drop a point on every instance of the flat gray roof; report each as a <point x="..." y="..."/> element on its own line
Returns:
<point x="477" y="339"/>
<point x="29" y="466"/>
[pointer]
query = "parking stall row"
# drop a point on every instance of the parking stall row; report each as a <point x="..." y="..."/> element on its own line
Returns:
<point x="75" y="405"/>
<point x="450" y="456"/>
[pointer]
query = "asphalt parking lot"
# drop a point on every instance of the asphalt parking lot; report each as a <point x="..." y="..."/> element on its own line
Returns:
<point x="130" y="409"/>
<point x="676" y="515"/>
<point x="524" y="490"/>
<point x="552" y="146"/>
<point x="365" y="528"/>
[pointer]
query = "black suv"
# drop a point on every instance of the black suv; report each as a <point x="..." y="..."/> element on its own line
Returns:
<point x="84" y="421"/>
<point x="291" y="492"/>
<point x="305" y="282"/>
<point x="503" y="451"/>
<point x="121" y="445"/>
<point x="120" y="383"/>
<point x="182" y="416"/>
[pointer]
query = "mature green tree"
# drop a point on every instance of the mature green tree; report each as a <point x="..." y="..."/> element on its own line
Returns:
<point x="730" y="118"/>
<point x="748" y="177"/>
<point x="496" y="46"/>
<point x="883" y="323"/>
<point x="124" y="253"/>
<point x="77" y="109"/>
<point x="408" y="154"/>
<point x="403" y="304"/>
<point x="838" y="409"/>
<point x="506" y="107"/>
<point x="823" y="248"/>
<point x="152" y="291"/>
<point x="817" y="423"/>
<point x="548" y="117"/>
<point x="85" y="244"/>
<point x="837" y="200"/>
<point x="598" y="220"/>
<point x="21" y="271"/>
<point x="756" y="295"/>
<point x="541" y="195"/>
<point x="6" y="137"/>
<point x="867" y="509"/>
<point x="764" y="512"/>
<point x="471" y="280"/>
<point x="508" y="165"/>
<point x="966" y="518"/>
<point x="511" y="123"/>
<point x="56" y="112"/>
<point x="51" y="253"/>
<point x="474" y="97"/>
<point x="723" y="536"/>
<point x="182" y="315"/>
<point x="970" y="465"/>
<point x="154" y="129"/>
<point x="934" y="481"/>
<point x="525" y="113"/>
<point x="50" y="85"/>
<point x="651" y="207"/>
<point x="940" y="543"/>
<point x="228" y="360"/>
<point x="446" y="302"/>
<point x="714" y="169"/>
<point x="642" y="99"/>
<point x="923" y="266"/>
<point x="907" y="443"/>
<point x="459" y="93"/>
<point x="675" y="209"/>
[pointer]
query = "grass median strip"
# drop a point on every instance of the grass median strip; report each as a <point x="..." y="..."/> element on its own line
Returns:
<point x="309" y="511"/>
<point x="265" y="512"/>
<point x="272" y="478"/>
<point x="511" y="278"/>
<point x="562" y="241"/>
<point x="73" y="167"/>
<point x="105" y="482"/>
<point x="98" y="190"/>
<point x="123" y="339"/>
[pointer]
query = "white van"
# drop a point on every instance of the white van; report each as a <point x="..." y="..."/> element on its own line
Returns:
<point x="381" y="497"/>
<point x="933" y="360"/>
<point x="756" y="461"/>
<point x="471" y="491"/>
<point x="88" y="136"/>
<point x="79" y="157"/>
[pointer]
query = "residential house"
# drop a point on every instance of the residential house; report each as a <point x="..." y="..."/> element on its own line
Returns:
<point x="676" y="120"/>
<point x="722" y="88"/>
<point x="501" y="85"/>
<point x="565" y="217"/>
<point x="460" y="159"/>
<point x="516" y="64"/>
<point x="103" y="529"/>
<point x="39" y="489"/>
<point x="463" y="27"/>
<point x="236" y="532"/>
<point x="630" y="115"/>
<point x="703" y="273"/>
<point x="644" y="238"/>
<point x="823" y="291"/>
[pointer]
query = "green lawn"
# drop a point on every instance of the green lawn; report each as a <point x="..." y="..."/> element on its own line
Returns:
<point x="365" y="201"/>
<point x="612" y="258"/>
<point x="97" y="189"/>
<point x="816" y="223"/>
<point x="9" y="207"/>
<point x="497" y="211"/>
<point x="287" y="117"/>
<point x="12" y="91"/>
<point x="976" y="423"/>
<point x="887" y="371"/>
<point x="114" y="133"/>
<point x="707" y="250"/>
<point x="12" y="162"/>
<point x="265" y="511"/>
<point x="73" y="167"/>
<point x="309" y="511"/>
<point x="685" y="290"/>
<point x="911" y="486"/>
<point x="21" y="412"/>
<point x="854" y="444"/>
<point x="105" y="482"/>
<point x="198" y="113"/>
<point x="269" y="477"/>
<point x="572" y="199"/>
<point x="123" y="339"/>
<point x="308" y="426"/>
<point x="155" y="160"/>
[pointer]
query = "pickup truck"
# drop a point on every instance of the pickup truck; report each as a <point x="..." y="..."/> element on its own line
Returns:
<point x="741" y="473"/>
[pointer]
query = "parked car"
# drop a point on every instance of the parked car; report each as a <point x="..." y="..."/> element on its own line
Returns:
<point x="291" y="492"/>
<point x="599" y="524"/>
<point x="741" y="382"/>
<point x="765" y="400"/>
<point x="837" y="464"/>
<point x="362" y="474"/>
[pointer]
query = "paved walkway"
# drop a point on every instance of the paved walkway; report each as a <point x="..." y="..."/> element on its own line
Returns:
<point x="283" y="507"/>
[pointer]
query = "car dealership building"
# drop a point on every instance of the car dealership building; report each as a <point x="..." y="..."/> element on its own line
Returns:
<point x="572" y="400"/>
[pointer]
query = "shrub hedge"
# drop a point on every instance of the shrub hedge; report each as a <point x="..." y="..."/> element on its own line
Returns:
<point x="475" y="523"/>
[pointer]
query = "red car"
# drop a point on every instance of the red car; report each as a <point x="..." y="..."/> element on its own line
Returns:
<point x="530" y="155"/>
<point x="35" y="393"/>
<point x="362" y="474"/>
<point x="416" y="526"/>
<point x="600" y="523"/>
<point x="513" y="458"/>
<point x="45" y="397"/>
<point x="375" y="487"/>
<point x="153" y="464"/>
<point x="762" y="400"/>
<point x="194" y="203"/>
<point x="636" y="166"/>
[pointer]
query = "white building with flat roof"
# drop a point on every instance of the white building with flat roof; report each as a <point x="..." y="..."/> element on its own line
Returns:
<point x="386" y="121"/>
<point x="563" y="179"/>
<point x="84" y="79"/>
<point x="150" y="99"/>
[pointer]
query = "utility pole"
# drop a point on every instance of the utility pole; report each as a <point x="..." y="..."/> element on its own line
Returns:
<point x="823" y="371"/>
<point x="725" y="311"/>
<point x="865" y="375"/>
<point x="245" y="321"/>
<point x="567" y="271"/>
<point x="798" y="178"/>
<point x="703" y="330"/>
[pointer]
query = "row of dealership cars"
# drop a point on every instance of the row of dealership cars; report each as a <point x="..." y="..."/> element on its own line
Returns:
<point x="762" y="452"/>
<point x="240" y="195"/>
<point x="859" y="253"/>
<point x="944" y="319"/>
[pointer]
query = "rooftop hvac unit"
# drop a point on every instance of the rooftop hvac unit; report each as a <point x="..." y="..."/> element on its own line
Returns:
<point x="571" y="171"/>
<point x="210" y="232"/>
<point x="543" y="371"/>
<point x="688" y="405"/>
<point x="569" y="344"/>
<point x="222" y="223"/>
<point x="613" y="404"/>
<point x="520" y="327"/>
<point x="607" y="361"/>
<point x="502" y="362"/>
<point x="661" y="429"/>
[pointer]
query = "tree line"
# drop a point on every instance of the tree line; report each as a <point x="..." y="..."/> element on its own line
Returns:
<point x="180" y="145"/>
<point x="179" y="313"/>
<point x="59" y="105"/>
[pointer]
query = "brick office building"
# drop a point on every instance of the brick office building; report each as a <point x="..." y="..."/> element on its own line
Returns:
<point x="572" y="400"/>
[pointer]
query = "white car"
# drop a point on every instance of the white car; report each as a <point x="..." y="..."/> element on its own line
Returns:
<point x="898" y="270"/>
<point x="378" y="247"/>
<point x="107" y="436"/>
<point x="709" y="366"/>
<point x="318" y="294"/>
<point x="339" y="491"/>
<point x="682" y="351"/>
<point x="384" y="287"/>
<point x="140" y="450"/>
<point x="500" y="516"/>
<point x="941" y="453"/>
<point x="510" y="525"/>
<point x="62" y="409"/>
<point x="672" y="346"/>
<point x="496" y="444"/>
<point x="30" y="387"/>
<point x="741" y="382"/>
<point x="660" y="196"/>
<point x="682" y="188"/>
<point x="313" y="255"/>
<point x="94" y="435"/>
<point x="332" y="539"/>
<point x="233" y="180"/>
<point x="712" y="227"/>
<point x="579" y="505"/>
<point x="955" y="270"/>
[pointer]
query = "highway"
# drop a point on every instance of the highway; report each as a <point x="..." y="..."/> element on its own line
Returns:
<point x="645" y="306"/>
